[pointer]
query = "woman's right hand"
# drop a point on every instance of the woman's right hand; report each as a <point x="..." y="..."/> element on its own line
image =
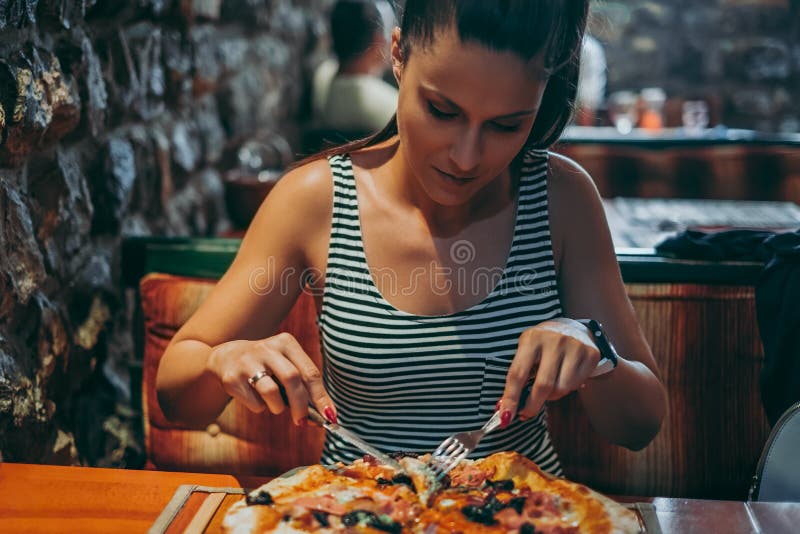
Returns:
<point x="285" y="362"/>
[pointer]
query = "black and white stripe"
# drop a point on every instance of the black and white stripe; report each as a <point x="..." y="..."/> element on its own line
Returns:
<point x="404" y="382"/>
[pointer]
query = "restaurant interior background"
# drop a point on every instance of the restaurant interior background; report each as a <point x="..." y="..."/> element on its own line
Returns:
<point x="124" y="119"/>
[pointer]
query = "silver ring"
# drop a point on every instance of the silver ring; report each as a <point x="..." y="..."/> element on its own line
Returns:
<point x="258" y="376"/>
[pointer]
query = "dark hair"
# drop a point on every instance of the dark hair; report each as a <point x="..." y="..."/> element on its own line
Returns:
<point x="552" y="29"/>
<point x="354" y="24"/>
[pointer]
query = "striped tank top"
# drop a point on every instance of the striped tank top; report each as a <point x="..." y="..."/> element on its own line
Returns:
<point x="404" y="382"/>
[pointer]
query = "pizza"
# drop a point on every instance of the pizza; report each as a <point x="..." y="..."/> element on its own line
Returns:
<point x="504" y="492"/>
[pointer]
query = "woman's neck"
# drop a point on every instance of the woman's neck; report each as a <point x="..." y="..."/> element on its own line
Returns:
<point x="446" y="221"/>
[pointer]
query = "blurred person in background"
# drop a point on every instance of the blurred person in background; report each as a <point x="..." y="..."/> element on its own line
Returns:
<point x="349" y="93"/>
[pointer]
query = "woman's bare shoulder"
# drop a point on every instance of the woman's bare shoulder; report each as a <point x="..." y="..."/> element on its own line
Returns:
<point x="574" y="203"/>
<point x="298" y="207"/>
<point x="304" y="192"/>
<point x="568" y="179"/>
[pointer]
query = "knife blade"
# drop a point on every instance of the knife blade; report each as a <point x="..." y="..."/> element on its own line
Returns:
<point x="353" y="439"/>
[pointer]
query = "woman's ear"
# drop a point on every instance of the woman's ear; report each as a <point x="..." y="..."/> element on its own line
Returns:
<point x="397" y="55"/>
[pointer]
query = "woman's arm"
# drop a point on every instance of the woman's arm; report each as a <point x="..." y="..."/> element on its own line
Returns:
<point x="627" y="405"/>
<point x="228" y="339"/>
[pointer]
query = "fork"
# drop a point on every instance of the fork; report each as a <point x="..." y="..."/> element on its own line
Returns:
<point x="455" y="448"/>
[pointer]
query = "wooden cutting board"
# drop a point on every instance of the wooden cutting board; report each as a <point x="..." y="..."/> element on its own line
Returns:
<point x="196" y="509"/>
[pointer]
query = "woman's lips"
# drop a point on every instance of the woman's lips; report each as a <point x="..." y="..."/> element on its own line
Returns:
<point x="456" y="178"/>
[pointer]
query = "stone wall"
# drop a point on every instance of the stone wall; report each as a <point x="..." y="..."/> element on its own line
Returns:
<point x="743" y="56"/>
<point x="118" y="118"/>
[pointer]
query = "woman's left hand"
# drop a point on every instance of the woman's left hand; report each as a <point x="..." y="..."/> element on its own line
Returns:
<point x="559" y="355"/>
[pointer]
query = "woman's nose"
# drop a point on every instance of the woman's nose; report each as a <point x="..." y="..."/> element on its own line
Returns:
<point x="465" y="152"/>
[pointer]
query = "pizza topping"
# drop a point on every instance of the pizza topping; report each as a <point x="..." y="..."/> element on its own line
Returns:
<point x="400" y="478"/>
<point x="517" y="503"/>
<point x="505" y="484"/>
<point x="468" y="475"/>
<point x="258" y="497"/>
<point x="403" y="454"/>
<point x="325" y="503"/>
<point x="371" y="519"/>
<point x="479" y="514"/>
<point x="321" y="517"/>
<point x="545" y="502"/>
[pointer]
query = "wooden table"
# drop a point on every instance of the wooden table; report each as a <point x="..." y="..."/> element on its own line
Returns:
<point x="41" y="498"/>
<point x="45" y="498"/>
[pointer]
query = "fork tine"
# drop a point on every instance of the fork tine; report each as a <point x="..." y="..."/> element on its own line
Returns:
<point x="451" y="462"/>
<point x="454" y="448"/>
<point x="442" y="446"/>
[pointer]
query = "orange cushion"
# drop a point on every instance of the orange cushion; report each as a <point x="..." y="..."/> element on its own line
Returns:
<point x="240" y="442"/>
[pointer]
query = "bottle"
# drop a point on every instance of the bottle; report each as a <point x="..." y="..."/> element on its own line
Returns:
<point x="653" y="99"/>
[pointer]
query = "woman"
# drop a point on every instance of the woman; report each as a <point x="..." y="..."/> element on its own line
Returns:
<point x="446" y="254"/>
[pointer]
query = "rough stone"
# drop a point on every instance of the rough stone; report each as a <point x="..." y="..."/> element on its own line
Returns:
<point x="62" y="209"/>
<point x="22" y="263"/>
<point x="65" y="13"/>
<point x="138" y="81"/>
<point x="200" y="9"/>
<point x="116" y="119"/>
<point x="17" y="13"/>
<point x="199" y="207"/>
<point x="205" y="61"/>
<point x="244" y="105"/>
<point x="25" y="414"/>
<point x="111" y="183"/>
<point x="178" y="65"/>
<point x="210" y="130"/>
<point x="78" y="57"/>
<point x="46" y="103"/>
<point x="252" y="12"/>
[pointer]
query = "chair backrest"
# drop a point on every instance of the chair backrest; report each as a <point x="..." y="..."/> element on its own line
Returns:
<point x="777" y="477"/>
<point x="240" y="441"/>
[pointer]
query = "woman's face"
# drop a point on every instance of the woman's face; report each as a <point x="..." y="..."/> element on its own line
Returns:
<point x="464" y="112"/>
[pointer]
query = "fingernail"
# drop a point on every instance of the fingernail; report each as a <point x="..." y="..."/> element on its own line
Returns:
<point x="302" y="422"/>
<point x="505" y="418"/>
<point x="497" y="406"/>
<point x="330" y="414"/>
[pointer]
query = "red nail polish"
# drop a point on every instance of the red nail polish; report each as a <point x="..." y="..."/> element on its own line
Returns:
<point x="505" y="418"/>
<point x="303" y="422"/>
<point x="497" y="406"/>
<point x="330" y="415"/>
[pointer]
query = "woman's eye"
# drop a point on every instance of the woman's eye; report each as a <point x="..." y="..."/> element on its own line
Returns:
<point x="505" y="127"/>
<point x="438" y="113"/>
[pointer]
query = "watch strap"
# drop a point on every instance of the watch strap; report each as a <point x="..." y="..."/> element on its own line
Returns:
<point x="608" y="356"/>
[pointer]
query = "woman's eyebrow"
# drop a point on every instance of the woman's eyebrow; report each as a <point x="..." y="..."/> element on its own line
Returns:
<point x="449" y="102"/>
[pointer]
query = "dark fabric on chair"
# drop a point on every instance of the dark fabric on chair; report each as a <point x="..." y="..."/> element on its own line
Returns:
<point x="731" y="245"/>
<point x="778" y="308"/>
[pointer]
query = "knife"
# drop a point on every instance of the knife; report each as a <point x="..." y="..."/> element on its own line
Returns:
<point x="343" y="433"/>
<point x="352" y="439"/>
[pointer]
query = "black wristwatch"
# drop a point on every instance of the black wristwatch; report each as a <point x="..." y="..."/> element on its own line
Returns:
<point x="608" y="355"/>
